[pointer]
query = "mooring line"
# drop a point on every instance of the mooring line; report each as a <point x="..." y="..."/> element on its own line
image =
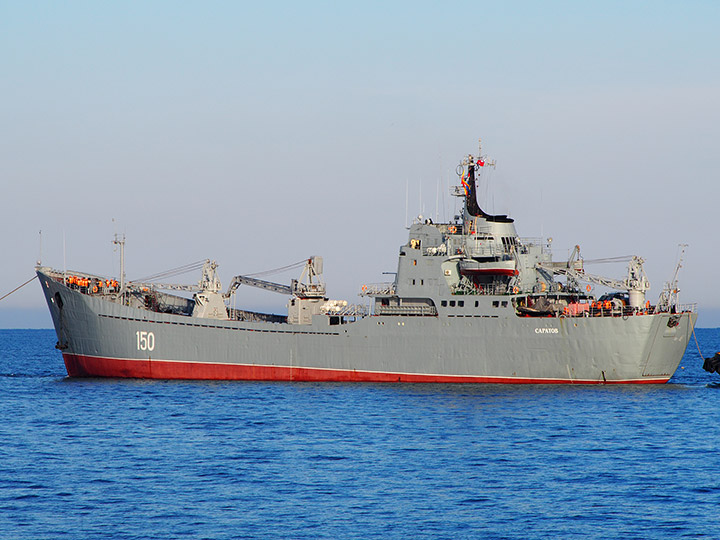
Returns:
<point x="696" y="343"/>
<point x="20" y="287"/>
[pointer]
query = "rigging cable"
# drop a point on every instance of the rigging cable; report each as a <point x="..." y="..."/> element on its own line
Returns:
<point x="18" y="288"/>
<point x="279" y="270"/>
<point x="191" y="267"/>
<point x="625" y="258"/>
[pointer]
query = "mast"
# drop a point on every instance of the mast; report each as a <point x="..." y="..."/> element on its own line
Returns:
<point x="468" y="188"/>
<point x="471" y="204"/>
<point x="120" y="240"/>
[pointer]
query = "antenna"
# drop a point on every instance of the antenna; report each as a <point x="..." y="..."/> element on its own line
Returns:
<point x="407" y="194"/>
<point x="39" y="259"/>
<point x="120" y="240"/>
<point x="422" y="210"/>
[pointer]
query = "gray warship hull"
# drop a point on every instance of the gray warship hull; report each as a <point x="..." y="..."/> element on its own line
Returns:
<point x="471" y="302"/>
<point x="483" y="344"/>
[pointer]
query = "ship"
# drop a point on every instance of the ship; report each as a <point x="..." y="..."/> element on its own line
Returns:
<point x="471" y="302"/>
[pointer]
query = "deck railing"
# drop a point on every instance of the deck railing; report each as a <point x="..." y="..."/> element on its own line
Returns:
<point x="418" y="311"/>
<point x="377" y="289"/>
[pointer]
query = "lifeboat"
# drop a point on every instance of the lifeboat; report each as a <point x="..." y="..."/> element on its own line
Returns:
<point x="493" y="267"/>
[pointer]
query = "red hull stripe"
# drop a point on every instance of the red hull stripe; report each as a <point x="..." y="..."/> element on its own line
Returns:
<point x="93" y="366"/>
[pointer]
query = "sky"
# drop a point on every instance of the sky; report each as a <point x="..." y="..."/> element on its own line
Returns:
<point x="258" y="134"/>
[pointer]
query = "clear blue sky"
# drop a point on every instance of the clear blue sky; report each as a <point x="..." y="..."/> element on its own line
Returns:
<point x="261" y="133"/>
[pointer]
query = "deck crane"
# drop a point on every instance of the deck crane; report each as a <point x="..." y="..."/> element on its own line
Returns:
<point x="308" y="286"/>
<point x="307" y="294"/>
<point x="669" y="295"/>
<point x="254" y="282"/>
<point x="636" y="283"/>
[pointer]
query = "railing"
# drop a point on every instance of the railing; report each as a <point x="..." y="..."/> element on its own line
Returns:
<point x="466" y="287"/>
<point x="86" y="283"/>
<point x="377" y="289"/>
<point x="624" y="311"/>
<point x="486" y="251"/>
<point x="524" y="243"/>
<point x="421" y="311"/>
<point x="438" y="251"/>
<point x="589" y="310"/>
<point x="253" y="316"/>
<point x="352" y="310"/>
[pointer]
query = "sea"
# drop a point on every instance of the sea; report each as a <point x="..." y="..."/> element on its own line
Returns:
<point x="140" y="459"/>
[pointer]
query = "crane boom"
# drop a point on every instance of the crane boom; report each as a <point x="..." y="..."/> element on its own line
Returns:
<point x="590" y="278"/>
<point x="259" y="283"/>
<point x="636" y="282"/>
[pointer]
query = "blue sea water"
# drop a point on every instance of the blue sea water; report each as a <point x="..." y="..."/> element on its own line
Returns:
<point x="127" y="459"/>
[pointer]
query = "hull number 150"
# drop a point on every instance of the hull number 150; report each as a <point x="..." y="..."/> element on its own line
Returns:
<point x="145" y="341"/>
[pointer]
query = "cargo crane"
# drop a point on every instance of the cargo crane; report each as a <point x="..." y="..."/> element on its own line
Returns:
<point x="669" y="295"/>
<point x="636" y="283"/>
<point x="254" y="282"/>
<point x="312" y="287"/>
<point x="210" y="283"/>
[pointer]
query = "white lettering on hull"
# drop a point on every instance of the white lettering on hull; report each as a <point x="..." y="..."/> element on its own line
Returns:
<point x="145" y="341"/>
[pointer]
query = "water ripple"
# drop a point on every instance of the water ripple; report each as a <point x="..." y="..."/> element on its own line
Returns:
<point x="101" y="458"/>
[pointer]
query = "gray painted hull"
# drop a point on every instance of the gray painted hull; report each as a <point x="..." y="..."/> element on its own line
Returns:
<point x="98" y="337"/>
